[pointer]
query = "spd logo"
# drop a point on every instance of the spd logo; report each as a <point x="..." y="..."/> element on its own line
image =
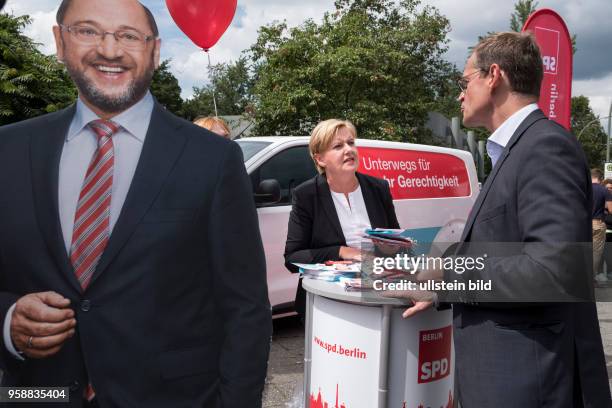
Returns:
<point x="549" y="47"/>
<point x="550" y="64"/>
<point x="434" y="354"/>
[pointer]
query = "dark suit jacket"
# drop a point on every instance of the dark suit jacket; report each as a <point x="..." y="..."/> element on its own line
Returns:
<point x="177" y="312"/>
<point x="314" y="233"/>
<point x="542" y="354"/>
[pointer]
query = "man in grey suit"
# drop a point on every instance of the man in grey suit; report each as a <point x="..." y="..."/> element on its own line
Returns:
<point x="526" y="344"/>
<point x="536" y="354"/>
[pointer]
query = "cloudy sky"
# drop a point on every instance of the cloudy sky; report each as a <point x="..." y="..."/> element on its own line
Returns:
<point x="588" y="19"/>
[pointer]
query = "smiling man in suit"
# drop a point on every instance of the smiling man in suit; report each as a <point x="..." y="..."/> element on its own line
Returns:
<point x="125" y="274"/>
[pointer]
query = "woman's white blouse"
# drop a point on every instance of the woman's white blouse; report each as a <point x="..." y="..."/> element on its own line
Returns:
<point x="353" y="216"/>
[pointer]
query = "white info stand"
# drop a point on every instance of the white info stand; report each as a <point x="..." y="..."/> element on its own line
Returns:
<point x="361" y="353"/>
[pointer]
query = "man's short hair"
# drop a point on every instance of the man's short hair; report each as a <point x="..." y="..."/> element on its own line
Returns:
<point x="597" y="173"/>
<point x="518" y="55"/>
<point x="63" y="8"/>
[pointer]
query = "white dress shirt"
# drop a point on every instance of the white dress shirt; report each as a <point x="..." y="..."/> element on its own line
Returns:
<point x="79" y="148"/>
<point x="353" y="216"/>
<point x="503" y="134"/>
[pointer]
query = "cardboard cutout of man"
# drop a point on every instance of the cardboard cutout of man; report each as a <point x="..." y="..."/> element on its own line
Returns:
<point x="131" y="265"/>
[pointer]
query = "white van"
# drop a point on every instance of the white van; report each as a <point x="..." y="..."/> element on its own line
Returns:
<point x="433" y="189"/>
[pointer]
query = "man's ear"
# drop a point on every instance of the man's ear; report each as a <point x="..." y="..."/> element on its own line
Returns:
<point x="495" y="75"/>
<point x="59" y="43"/>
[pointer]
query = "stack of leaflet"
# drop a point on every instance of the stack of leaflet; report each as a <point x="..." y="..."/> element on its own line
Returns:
<point x="330" y="271"/>
<point x="392" y="236"/>
<point x="356" y="285"/>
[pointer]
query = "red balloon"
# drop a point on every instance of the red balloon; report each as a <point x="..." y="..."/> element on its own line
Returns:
<point x="203" y="21"/>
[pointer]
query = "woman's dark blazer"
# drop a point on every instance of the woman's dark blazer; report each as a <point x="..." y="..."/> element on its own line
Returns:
<point x="314" y="234"/>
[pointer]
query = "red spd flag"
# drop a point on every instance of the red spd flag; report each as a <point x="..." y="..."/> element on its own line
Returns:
<point x="556" y="48"/>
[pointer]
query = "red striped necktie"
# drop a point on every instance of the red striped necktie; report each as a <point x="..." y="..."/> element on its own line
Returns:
<point x="92" y="218"/>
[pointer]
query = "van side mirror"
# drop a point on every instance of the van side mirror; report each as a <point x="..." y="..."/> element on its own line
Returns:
<point x="268" y="192"/>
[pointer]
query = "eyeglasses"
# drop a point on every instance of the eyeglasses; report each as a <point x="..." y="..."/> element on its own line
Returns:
<point x="464" y="81"/>
<point x="128" y="39"/>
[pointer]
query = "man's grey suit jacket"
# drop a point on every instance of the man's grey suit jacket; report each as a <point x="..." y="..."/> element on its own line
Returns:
<point x="531" y="354"/>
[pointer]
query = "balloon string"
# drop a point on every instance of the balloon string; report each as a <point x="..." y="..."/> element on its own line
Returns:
<point x="213" y="85"/>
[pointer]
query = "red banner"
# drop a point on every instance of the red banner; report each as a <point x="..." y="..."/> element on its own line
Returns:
<point x="416" y="174"/>
<point x="556" y="48"/>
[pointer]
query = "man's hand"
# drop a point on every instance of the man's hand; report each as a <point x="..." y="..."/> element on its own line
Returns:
<point x="41" y="323"/>
<point x="431" y="274"/>
<point x="417" y="307"/>
<point x="421" y="300"/>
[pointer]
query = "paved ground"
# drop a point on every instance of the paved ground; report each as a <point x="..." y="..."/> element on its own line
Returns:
<point x="604" y="310"/>
<point x="286" y="364"/>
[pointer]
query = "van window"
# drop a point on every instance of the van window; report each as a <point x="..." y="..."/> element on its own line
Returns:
<point x="250" y="149"/>
<point x="290" y="168"/>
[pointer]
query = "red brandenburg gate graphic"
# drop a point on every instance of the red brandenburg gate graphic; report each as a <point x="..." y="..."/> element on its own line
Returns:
<point x="319" y="403"/>
<point x="449" y="404"/>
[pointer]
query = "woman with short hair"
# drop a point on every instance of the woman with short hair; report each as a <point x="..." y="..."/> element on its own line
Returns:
<point x="331" y="211"/>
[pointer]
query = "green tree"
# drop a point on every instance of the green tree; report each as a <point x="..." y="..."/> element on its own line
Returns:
<point x="378" y="63"/>
<point x="166" y="88"/>
<point x="232" y="85"/>
<point x="522" y="10"/>
<point x="585" y="125"/>
<point x="447" y="90"/>
<point x="31" y="83"/>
